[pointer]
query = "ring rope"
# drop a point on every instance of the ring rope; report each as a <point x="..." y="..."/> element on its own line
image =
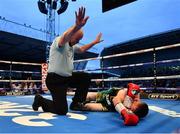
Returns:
<point x="112" y="79"/>
<point x="15" y="71"/>
<point x="104" y="57"/>
<point x="20" y="63"/>
<point x="138" y="78"/>
<point x="142" y="88"/>
<point x="20" y="80"/>
<point x="131" y="65"/>
<point x="130" y="53"/>
<point x="161" y="88"/>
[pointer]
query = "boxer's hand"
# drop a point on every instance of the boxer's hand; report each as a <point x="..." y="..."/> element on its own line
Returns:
<point x="130" y="119"/>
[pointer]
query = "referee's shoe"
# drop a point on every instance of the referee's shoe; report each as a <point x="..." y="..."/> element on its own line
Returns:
<point x="36" y="104"/>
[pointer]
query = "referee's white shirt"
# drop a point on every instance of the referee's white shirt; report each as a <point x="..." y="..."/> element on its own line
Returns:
<point x="61" y="58"/>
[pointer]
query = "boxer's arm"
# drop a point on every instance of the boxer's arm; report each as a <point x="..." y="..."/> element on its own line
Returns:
<point x="119" y="97"/>
<point x="129" y="117"/>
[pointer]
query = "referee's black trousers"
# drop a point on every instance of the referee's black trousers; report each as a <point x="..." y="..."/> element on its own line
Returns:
<point x="58" y="86"/>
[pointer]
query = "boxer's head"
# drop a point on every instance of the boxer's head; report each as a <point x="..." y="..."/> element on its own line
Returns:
<point x="140" y="108"/>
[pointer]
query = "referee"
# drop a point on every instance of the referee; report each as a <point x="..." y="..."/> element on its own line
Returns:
<point x="60" y="70"/>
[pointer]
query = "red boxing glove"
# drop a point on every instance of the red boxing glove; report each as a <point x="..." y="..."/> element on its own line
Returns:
<point x="132" y="90"/>
<point x="130" y="119"/>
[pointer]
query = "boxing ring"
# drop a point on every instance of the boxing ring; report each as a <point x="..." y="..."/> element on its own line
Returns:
<point x="17" y="116"/>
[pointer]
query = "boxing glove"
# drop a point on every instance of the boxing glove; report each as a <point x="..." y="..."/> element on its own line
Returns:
<point x="130" y="119"/>
<point x="132" y="90"/>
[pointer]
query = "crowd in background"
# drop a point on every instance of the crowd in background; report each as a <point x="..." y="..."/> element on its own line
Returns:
<point x="34" y="87"/>
<point x="28" y="87"/>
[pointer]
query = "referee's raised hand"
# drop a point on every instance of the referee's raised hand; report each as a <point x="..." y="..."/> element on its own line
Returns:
<point x="81" y="19"/>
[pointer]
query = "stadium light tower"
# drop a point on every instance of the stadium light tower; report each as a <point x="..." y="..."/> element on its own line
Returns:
<point x="49" y="7"/>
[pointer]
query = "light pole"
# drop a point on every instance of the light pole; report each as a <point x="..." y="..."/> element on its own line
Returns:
<point x="48" y="7"/>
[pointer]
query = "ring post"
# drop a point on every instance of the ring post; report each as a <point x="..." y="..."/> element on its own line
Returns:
<point x="102" y="69"/>
<point x="155" y="69"/>
<point x="10" y="74"/>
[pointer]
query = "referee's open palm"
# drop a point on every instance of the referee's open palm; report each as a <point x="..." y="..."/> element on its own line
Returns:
<point x="80" y="17"/>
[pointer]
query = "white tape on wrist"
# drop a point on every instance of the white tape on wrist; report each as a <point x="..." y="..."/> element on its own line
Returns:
<point x="128" y="102"/>
<point x="119" y="107"/>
